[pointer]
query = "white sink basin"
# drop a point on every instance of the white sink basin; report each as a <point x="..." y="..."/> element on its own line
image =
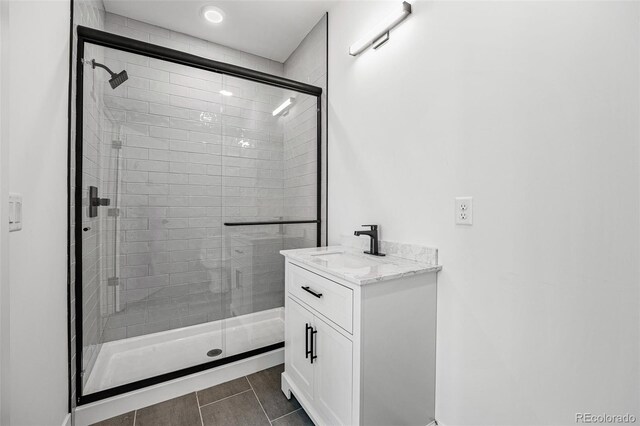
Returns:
<point x="344" y="260"/>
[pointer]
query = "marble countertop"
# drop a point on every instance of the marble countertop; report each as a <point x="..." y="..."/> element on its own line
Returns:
<point x="354" y="266"/>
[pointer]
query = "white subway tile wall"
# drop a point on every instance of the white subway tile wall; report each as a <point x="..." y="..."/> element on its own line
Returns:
<point x="192" y="159"/>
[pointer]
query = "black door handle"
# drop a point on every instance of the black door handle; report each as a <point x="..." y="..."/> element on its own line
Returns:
<point x="313" y="344"/>
<point x="307" y="352"/>
<point x="308" y="290"/>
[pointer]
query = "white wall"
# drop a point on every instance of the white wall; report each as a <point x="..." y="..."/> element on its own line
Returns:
<point x="532" y="109"/>
<point x="39" y="76"/>
<point x="4" y="240"/>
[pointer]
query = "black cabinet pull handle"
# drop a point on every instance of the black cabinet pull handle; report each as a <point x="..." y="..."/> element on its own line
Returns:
<point x="308" y="290"/>
<point x="307" y="352"/>
<point x="313" y="344"/>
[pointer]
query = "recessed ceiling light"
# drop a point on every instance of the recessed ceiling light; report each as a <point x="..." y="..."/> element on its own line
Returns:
<point x="213" y="14"/>
<point x="226" y="93"/>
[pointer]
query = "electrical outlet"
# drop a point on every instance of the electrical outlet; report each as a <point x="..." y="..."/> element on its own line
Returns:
<point x="464" y="211"/>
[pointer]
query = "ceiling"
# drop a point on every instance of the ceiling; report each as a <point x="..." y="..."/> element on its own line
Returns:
<point x="268" y="28"/>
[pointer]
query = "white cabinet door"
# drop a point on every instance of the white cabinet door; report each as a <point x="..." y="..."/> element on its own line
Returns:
<point x="297" y="340"/>
<point x="333" y="378"/>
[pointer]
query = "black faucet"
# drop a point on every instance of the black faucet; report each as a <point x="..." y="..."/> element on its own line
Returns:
<point x="373" y="244"/>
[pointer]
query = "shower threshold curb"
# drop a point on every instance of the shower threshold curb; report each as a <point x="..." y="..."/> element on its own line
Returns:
<point x="124" y="403"/>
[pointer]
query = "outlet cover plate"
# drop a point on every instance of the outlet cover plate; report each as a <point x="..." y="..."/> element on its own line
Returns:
<point x="464" y="211"/>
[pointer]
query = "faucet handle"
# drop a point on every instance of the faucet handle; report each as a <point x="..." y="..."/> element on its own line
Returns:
<point x="373" y="227"/>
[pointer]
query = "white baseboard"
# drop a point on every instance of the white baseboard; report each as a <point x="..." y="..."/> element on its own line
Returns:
<point x="67" y="420"/>
<point x="106" y="408"/>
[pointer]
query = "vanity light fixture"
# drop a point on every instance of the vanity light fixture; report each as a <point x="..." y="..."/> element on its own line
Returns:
<point x="226" y="93"/>
<point x="380" y="34"/>
<point x="212" y="14"/>
<point x="284" y="106"/>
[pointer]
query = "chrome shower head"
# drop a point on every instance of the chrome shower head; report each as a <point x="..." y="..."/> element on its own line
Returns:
<point x="116" y="79"/>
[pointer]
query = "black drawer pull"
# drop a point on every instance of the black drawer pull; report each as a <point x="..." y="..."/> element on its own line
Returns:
<point x="308" y="290"/>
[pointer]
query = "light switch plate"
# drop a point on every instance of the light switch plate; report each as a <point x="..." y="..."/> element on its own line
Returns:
<point x="15" y="212"/>
<point x="464" y="211"/>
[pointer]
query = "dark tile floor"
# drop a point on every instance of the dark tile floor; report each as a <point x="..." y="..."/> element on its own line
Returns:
<point x="252" y="400"/>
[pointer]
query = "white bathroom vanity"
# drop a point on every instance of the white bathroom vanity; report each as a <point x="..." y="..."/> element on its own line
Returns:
<point x="360" y="337"/>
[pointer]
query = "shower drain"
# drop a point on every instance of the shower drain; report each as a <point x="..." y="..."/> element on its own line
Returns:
<point x="214" y="352"/>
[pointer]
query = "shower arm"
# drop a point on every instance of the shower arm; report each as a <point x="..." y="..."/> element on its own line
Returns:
<point x="95" y="64"/>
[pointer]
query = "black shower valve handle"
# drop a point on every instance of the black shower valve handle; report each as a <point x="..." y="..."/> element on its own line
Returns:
<point x="95" y="201"/>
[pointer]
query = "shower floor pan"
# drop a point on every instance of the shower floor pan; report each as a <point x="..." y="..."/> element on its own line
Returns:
<point x="128" y="360"/>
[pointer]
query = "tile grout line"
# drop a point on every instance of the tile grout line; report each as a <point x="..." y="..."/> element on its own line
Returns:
<point x="226" y="397"/>
<point x="258" y="399"/>
<point x="199" y="410"/>
<point x="135" y="414"/>
<point x="285" y="415"/>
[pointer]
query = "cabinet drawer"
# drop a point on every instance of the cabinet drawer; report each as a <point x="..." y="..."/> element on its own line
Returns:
<point x="331" y="299"/>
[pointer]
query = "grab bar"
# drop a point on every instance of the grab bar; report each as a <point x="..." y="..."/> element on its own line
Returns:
<point x="276" y="222"/>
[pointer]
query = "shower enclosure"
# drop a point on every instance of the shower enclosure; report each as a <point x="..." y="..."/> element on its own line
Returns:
<point x="190" y="176"/>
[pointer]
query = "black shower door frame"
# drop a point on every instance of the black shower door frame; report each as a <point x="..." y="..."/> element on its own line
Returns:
<point x="113" y="41"/>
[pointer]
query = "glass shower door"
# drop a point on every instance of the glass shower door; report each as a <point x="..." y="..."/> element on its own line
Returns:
<point x="269" y="172"/>
<point x="152" y="281"/>
<point x="190" y="184"/>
